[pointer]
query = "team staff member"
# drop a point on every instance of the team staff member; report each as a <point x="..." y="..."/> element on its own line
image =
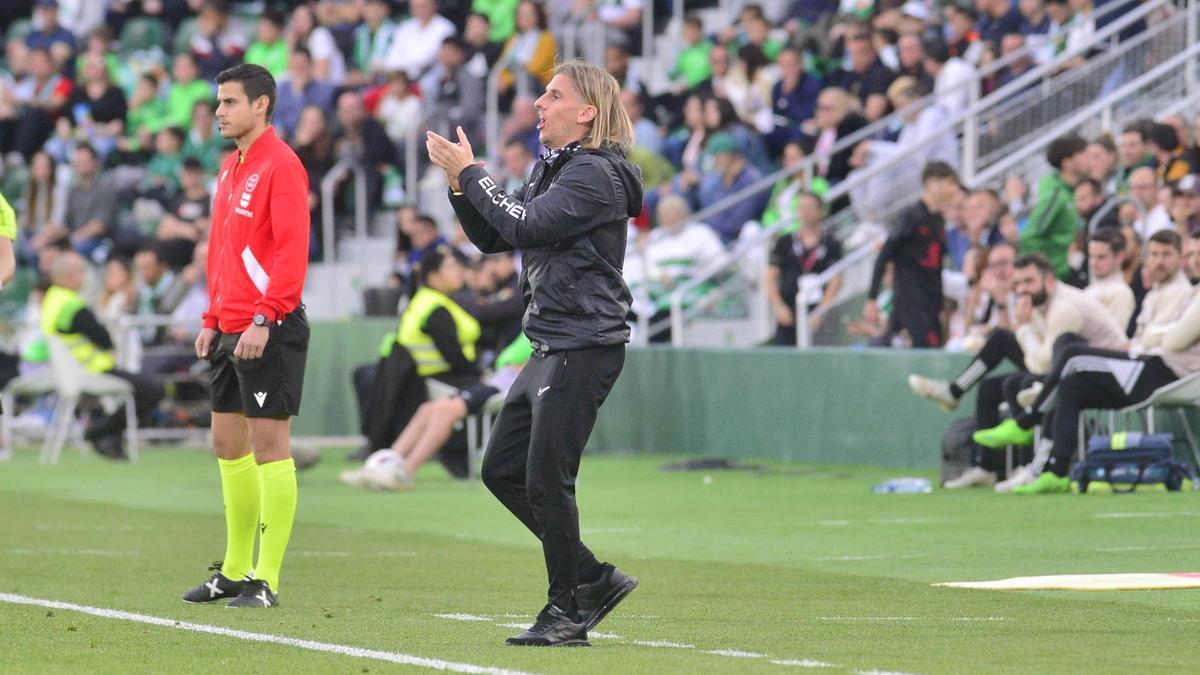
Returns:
<point x="8" y="235"/>
<point x="255" y="335"/>
<point x="569" y="220"/>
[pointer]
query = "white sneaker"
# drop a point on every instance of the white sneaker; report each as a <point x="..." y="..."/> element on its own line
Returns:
<point x="1022" y="475"/>
<point x="355" y="477"/>
<point x="937" y="391"/>
<point x="392" y="478"/>
<point x="1028" y="396"/>
<point x="972" y="477"/>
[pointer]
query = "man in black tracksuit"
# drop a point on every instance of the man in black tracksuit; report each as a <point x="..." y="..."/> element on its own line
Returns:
<point x="915" y="247"/>
<point x="570" y="223"/>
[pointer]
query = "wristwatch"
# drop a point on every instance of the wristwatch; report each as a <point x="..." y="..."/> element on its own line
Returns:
<point x="260" y="320"/>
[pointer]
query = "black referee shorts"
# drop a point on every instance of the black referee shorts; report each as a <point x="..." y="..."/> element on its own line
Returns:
<point x="269" y="386"/>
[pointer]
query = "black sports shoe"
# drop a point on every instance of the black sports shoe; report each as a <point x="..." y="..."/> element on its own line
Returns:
<point x="598" y="598"/>
<point x="218" y="587"/>
<point x="255" y="593"/>
<point x="553" y="628"/>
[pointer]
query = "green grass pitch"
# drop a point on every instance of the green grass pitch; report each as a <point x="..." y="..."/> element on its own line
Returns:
<point x="788" y="569"/>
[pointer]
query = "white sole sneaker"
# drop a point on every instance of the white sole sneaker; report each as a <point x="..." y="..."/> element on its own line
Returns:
<point x="937" y="391"/>
<point x="1020" y="476"/>
<point x="1028" y="396"/>
<point x="972" y="477"/>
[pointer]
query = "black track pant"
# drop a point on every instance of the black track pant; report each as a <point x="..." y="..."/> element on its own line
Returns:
<point x="992" y="392"/>
<point x="1092" y="378"/>
<point x="1001" y="344"/>
<point x="533" y="456"/>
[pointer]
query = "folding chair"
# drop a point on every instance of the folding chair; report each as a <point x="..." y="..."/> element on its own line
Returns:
<point x="71" y="382"/>
<point x="1180" y="395"/>
<point x="29" y="386"/>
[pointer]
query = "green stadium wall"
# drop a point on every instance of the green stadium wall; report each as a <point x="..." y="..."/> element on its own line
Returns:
<point x="842" y="406"/>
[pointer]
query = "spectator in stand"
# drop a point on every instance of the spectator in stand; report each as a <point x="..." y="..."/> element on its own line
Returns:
<point x="749" y="87"/>
<point x="218" y="43"/>
<point x="786" y="193"/>
<point x="516" y="163"/>
<point x="183" y="91"/>
<point x="1106" y="257"/>
<point x="980" y="228"/>
<point x="91" y="204"/>
<point x="1184" y="133"/>
<point x="42" y="96"/>
<point x="1036" y="27"/>
<point x="720" y="116"/>
<point x="808" y="250"/>
<point x="1054" y="223"/>
<point x="961" y="37"/>
<point x="915" y="246"/>
<point x="501" y="17"/>
<point x="313" y="143"/>
<point x="269" y="49"/>
<point x="1088" y="199"/>
<point x="195" y="298"/>
<point x="118" y="298"/>
<point x="364" y="139"/>
<point x="684" y="147"/>
<point x="50" y="35"/>
<point x="297" y="90"/>
<point x="415" y="47"/>
<point x="646" y="133"/>
<point x="1152" y="215"/>
<point x="145" y="109"/>
<point x="910" y="54"/>
<point x="730" y="173"/>
<point x="45" y="202"/>
<point x="482" y="51"/>
<point x="793" y="100"/>
<point x="618" y="61"/>
<point x="533" y="49"/>
<point x="1184" y="208"/>
<point x="1169" y="156"/>
<point x="758" y="34"/>
<point x="1133" y="150"/>
<point x="373" y="40"/>
<point x="522" y="125"/>
<point x="692" y="67"/>
<point x="203" y="141"/>
<point x="953" y="77"/>
<point x="1009" y="44"/>
<point x="452" y="94"/>
<point x="98" y="107"/>
<point x="1102" y="164"/>
<point x="187" y="216"/>
<point x="159" y="290"/>
<point x="865" y="78"/>
<point x="424" y="238"/>
<point x="399" y="111"/>
<point x="160" y="181"/>
<point x="990" y="302"/>
<point x="1191" y="258"/>
<point x="836" y="118"/>
<point x="328" y="64"/>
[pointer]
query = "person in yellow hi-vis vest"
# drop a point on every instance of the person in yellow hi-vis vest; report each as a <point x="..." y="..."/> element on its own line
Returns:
<point x="66" y="316"/>
<point x="438" y="333"/>
<point x="8" y="236"/>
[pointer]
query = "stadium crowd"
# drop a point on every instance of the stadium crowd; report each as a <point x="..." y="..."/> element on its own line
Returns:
<point x="108" y="151"/>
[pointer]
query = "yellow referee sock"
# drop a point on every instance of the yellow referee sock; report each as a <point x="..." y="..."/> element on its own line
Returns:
<point x="240" y="487"/>
<point x="278" y="511"/>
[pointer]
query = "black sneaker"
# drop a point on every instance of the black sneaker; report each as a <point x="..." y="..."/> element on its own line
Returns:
<point x="218" y="587"/>
<point x="255" y="593"/>
<point x="598" y="598"/>
<point x="553" y="628"/>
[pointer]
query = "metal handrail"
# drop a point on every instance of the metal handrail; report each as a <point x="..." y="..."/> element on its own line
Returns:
<point x="328" y="185"/>
<point x="811" y="282"/>
<point x="1108" y="206"/>
<point x="493" y="103"/>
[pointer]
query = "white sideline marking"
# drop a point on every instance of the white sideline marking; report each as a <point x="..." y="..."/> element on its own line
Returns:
<point x="1145" y="514"/>
<point x="609" y="530"/>
<point x="347" y="554"/>
<point x="853" y="558"/>
<point x="735" y="653"/>
<point x="661" y="644"/>
<point x="903" y="521"/>
<point x="980" y="618"/>
<point x="1123" y="549"/>
<point x="343" y="650"/>
<point x="803" y="663"/>
<point x="834" y="523"/>
<point x="91" y="528"/>
<point x="604" y="636"/>
<point x="867" y="618"/>
<point x="880" y="672"/>
<point x="68" y="551"/>
<point x="462" y="617"/>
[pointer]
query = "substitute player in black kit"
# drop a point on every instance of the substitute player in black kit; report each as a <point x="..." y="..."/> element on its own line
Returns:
<point x="570" y="222"/>
<point x="915" y="247"/>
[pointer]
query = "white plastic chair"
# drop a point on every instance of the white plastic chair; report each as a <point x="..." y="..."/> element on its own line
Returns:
<point x="71" y="382"/>
<point x="476" y="442"/>
<point x="31" y="385"/>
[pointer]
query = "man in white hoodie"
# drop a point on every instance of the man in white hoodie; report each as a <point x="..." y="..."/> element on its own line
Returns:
<point x="1106" y="257"/>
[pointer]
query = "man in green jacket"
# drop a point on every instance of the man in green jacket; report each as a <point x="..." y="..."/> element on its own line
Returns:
<point x="1054" y="224"/>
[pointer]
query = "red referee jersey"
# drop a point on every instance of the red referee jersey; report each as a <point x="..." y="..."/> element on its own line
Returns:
<point x="258" y="244"/>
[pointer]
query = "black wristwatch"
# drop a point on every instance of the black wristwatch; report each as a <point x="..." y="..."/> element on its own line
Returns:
<point x="260" y="319"/>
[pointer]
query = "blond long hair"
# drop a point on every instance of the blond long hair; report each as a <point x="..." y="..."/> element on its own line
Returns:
<point x="611" y="127"/>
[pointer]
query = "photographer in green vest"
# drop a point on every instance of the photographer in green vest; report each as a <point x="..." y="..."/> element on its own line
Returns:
<point x="66" y="316"/>
<point x="440" y="335"/>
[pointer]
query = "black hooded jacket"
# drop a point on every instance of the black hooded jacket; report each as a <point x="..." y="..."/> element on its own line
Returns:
<point x="570" y="222"/>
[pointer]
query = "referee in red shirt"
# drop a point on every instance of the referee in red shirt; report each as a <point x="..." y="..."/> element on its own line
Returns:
<point x="255" y="336"/>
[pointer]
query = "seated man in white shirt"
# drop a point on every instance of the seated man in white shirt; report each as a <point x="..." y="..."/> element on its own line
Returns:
<point x="1106" y="257"/>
